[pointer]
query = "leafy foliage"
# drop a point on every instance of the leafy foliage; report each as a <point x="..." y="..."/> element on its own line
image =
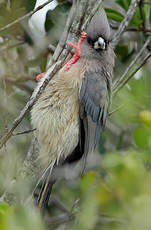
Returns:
<point x="114" y="15"/>
<point x="15" y="218"/>
<point x="118" y="17"/>
<point x="10" y="12"/>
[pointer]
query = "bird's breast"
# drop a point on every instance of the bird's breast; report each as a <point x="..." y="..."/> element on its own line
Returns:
<point x="56" y="115"/>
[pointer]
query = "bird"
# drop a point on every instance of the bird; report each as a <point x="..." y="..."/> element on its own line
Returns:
<point x="72" y="110"/>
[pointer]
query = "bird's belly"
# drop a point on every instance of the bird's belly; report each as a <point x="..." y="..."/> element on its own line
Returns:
<point x="56" y="119"/>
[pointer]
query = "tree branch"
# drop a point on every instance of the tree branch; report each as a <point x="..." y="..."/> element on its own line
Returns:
<point x="19" y="43"/>
<point x="25" y="16"/>
<point x="140" y="4"/>
<point x="49" y="74"/>
<point x="124" y="78"/>
<point x="130" y="13"/>
<point x="132" y="29"/>
<point x="64" y="36"/>
<point x="91" y="13"/>
<point x="133" y="73"/>
<point x="23" y="132"/>
<point x="60" y="205"/>
<point x="149" y="3"/>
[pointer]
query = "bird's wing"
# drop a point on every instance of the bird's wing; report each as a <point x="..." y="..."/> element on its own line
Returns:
<point x="94" y="101"/>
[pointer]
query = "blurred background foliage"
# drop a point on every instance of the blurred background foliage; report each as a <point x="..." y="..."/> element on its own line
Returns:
<point x="116" y="194"/>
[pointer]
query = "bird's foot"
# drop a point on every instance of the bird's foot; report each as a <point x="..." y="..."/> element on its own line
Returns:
<point x="77" y="47"/>
<point x="76" y="56"/>
<point x="40" y="76"/>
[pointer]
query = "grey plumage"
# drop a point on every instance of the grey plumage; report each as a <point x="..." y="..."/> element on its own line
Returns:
<point x="99" y="26"/>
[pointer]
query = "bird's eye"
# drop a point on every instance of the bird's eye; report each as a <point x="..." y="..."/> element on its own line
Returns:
<point x="100" y="44"/>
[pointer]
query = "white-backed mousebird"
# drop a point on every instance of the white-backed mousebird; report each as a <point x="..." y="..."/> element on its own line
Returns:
<point x="72" y="109"/>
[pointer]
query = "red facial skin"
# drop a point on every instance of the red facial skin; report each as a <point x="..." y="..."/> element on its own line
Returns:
<point x="76" y="56"/>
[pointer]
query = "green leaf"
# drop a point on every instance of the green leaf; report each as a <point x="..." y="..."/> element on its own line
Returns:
<point x="114" y="15"/>
<point x="136" y="20"/>
<point x="5" y="212"/>
<point x="124" y="3"/>
<point x="142" y="137"/>
<point x="3" y="209"/>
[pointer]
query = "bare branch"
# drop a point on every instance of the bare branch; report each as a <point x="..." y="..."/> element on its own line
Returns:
<point x="91" y="13"/>
<point x="134" y="72"/>
<point x="25" y="16"/>
<point x="60" y="205"/>
<point x="124" y="23"/>
<point x="58" y="220"/>
<point x="146" y="30"/>
<point x="149" y="3"/>
<point x="24" y="132"/>
<point x="17" y="79"/>
<point x="115" y="110"/>
<point x="132" y="29"/>
<point x="64" y="36"/>
<point x="49" y="74"/>
<point x="124" y="79"/>
<point x="140" y="4"/>
<point x="64" y="218"/>
<point x="19" y="43"/>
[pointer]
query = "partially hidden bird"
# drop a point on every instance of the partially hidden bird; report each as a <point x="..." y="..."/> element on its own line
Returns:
<point x="71" y="111"/>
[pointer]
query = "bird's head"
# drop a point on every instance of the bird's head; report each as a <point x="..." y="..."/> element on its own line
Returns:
<point x="98" y="31"/>
<point x="94" y="41"/>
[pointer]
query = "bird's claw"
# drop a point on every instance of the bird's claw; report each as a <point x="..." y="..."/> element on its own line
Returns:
<point x="76" y="56"/>
<point x="77" y="48"/>
<point x="40" y="76"/>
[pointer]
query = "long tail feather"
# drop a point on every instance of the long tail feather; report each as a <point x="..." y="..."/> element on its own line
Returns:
<point x="45" y="192"/>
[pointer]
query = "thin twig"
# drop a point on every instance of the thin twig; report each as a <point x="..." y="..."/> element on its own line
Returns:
<point x="60" y="205"/>
<point x="59" y="219"/>
<point x="133" y="73"/>
<point x="19" y="43"/>
<point x="64" y="36"/>
<point x="17" y="79"/>
<point x="132" y="29"/>
<point x="119" y="83"/>
<point x="49" y="74"/>
<point x="24" y="132"/>
<point x="79" y="16"/>
<point x="25" y="16"/>
<point x="149" y="3"/>
<point x="140" y="4"/>
<point x="115" y="110"/>
<point x="107" y="219"/>
<point x="92" y="12"/>
<point x="130" y="13"/>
